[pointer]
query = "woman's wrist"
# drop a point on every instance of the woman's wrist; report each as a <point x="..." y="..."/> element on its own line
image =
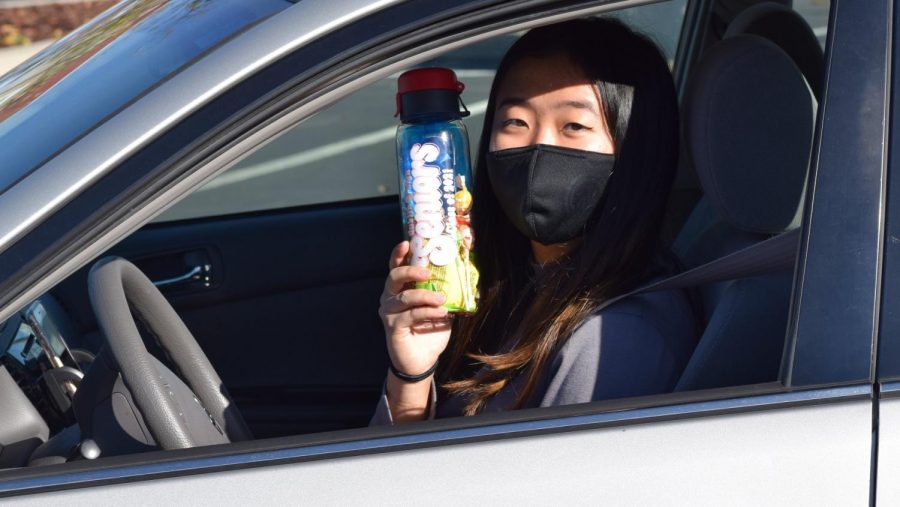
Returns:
<point x="408" y="401"/>
<point x="416" y="377"/>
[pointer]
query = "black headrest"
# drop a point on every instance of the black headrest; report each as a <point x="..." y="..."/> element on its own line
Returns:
<point x="790" y="32"/>
<point x="749" y="128"/>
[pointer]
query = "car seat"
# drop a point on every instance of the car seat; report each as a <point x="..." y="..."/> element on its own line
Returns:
<point x="790" y="32"/>
<point x="748" y="130"/>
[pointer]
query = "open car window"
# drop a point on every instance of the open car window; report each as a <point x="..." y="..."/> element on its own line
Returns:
<point x="348" y="151"/>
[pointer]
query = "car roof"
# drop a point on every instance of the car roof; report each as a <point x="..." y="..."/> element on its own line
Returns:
<point x="40" y="190"/>
<point x="56" y="97"/>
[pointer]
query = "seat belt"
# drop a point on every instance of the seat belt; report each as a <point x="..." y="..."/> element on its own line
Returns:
<point x="778" y="253"/>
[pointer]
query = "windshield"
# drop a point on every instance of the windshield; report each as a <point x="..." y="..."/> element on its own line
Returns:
<point x="53" y="99"/>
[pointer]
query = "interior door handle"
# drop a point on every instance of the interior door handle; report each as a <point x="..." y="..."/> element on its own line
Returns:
<point x="196" y="274"/>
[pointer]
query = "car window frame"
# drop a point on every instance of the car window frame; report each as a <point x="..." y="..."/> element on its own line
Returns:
<point x="888" y="367"/>
<point x="831" y="332"/>
<point x="153" y="184"/>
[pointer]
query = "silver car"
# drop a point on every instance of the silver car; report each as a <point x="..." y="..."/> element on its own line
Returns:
<point x="240" y="155"/>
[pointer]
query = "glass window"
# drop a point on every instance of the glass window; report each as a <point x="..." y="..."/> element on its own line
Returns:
<point x="56" y="97"/>
<point x="815" y="12"/>
<point x="347" y="152"/>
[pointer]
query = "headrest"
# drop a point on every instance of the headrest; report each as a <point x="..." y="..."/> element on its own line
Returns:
<point x="749" y="128"/>
<point x="789" y="31"/>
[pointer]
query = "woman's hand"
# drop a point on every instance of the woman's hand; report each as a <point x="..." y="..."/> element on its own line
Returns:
<point x="417" y="328"/>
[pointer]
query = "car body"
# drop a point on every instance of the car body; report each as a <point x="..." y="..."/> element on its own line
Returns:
<point x="286" y="308"/>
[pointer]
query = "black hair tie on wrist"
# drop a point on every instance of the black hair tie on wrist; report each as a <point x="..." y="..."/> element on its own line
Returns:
<point x="413" y="378"/>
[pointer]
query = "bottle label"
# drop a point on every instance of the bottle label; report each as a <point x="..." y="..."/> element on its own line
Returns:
<point x="436" y="204"/>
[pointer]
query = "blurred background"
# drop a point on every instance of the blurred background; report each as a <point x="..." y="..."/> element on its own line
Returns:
<point x="27" y="26"/>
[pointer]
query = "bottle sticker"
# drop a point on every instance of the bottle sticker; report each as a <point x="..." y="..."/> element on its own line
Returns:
<point x="436" y="206"/>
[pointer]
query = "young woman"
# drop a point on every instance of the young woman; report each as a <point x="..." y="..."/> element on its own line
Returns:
<point x="573" y="172"/>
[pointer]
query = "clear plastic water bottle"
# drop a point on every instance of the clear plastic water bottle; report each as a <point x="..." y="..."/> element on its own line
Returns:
<point x="433" y="157"/>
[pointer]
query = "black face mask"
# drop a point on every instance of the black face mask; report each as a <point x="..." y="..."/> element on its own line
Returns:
<point x="549" y="192"/>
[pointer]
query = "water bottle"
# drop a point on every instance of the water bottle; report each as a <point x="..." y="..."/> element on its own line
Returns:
<point x="433" y="158"/>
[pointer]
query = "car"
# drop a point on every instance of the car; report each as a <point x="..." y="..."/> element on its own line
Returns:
<point x="240" y="155"/>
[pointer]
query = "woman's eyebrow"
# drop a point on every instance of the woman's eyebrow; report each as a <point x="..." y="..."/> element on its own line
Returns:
<point x="512" y="101"/>
<point x="577" y="104"/>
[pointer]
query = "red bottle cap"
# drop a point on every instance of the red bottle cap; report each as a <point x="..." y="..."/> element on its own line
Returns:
<point x="430" y="78"/>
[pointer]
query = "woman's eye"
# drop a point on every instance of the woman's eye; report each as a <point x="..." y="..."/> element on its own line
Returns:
<point x="514" y="122"/>
<point x="576" y="127"/>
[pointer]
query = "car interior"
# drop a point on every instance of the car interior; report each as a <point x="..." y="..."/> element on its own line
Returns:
<point x="188" y="305"/>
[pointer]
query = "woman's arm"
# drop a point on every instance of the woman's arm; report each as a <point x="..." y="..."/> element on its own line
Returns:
<point x="417" y="330"/>
<point x="384" y="415"/>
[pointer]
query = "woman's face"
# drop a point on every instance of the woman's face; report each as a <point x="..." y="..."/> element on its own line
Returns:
<point x="548" y="100"/>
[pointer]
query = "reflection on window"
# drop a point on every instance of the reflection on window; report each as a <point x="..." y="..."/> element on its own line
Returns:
<point x="64" y="91"/>
<point x="31" y="80"/>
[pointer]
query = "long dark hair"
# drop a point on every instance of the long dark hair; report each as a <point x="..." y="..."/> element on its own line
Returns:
<point x="540" y="311"/>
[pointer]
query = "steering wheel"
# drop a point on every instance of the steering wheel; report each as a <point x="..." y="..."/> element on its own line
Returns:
<point x="117" y="288"/>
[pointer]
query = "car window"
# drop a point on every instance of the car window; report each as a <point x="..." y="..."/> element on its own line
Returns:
<point x="348" y="152"/>
<point x="815" y="12"/>
<point x="50" y="101"/>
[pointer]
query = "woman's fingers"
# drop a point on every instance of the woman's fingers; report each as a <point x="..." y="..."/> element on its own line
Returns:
<point x="416" y="317"/>
<point x="432" y="326"/>
<point x="417" y="310"/>
<point x="428" y="313"/>
<point x="399" y="277"/>
<point x="412" y="298"/>
<point x="398" y="254"/>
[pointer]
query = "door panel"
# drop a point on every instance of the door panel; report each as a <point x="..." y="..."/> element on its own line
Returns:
<point x="289" y="318"/>
<point x="887" y="486"/>
<point x="812" y="455"/>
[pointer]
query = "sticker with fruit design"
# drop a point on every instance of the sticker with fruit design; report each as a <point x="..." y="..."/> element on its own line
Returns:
<point x="440" y="230"/>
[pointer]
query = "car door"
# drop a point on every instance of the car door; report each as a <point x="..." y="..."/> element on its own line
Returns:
<point x="804" y="439"/>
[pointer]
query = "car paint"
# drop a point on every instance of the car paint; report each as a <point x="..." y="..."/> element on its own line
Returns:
<point x="758" y="457"/>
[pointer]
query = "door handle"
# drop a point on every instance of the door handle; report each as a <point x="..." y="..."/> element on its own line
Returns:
<point x="196" y="274"/>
